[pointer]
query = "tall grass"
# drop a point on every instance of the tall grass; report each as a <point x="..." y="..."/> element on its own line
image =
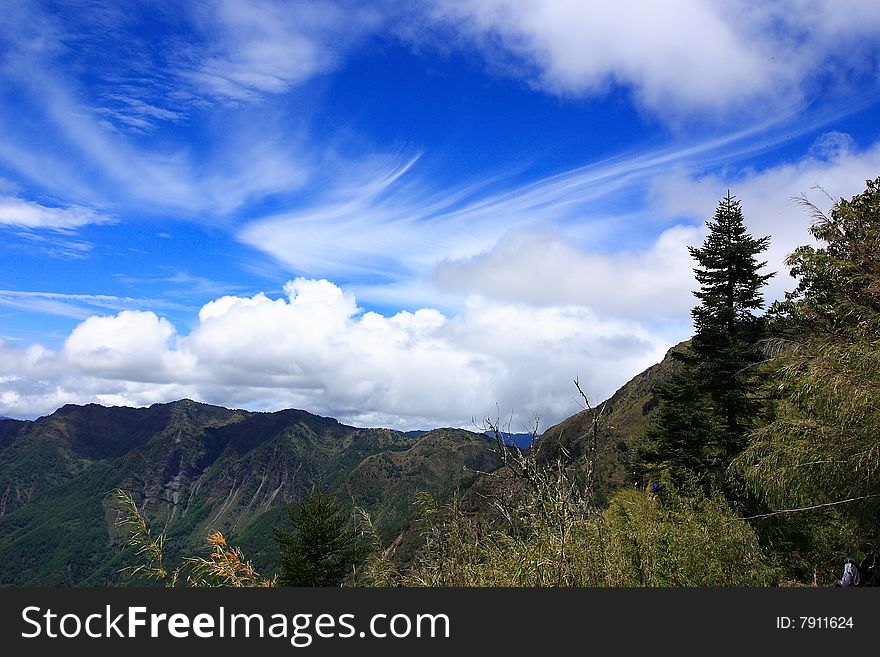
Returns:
<point x="225" y="565"/>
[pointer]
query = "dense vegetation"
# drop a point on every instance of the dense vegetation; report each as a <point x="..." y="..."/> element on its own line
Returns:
<point x="762" y="461"/>
<point x="322" y="547"/>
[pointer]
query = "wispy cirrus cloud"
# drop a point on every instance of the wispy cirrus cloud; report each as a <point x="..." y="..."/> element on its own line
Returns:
<point x="253" y="52"/>
<point x="395" y="238"/>
<point x="29" y="214"/>
<point x="82" y="139"/>
<point x="73" y="156"/>
<point x="178" y="284"/>
<point x="78" y="306"/>
<point x="217" y="51"/>
<point x="255" y="47"/>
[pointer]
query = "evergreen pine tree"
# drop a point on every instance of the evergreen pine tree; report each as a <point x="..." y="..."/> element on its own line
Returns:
<point x="323" y="546"/>
<point x="683" y="439"/>
<point x="706" y="412"/>
<point x="726" y="327"/>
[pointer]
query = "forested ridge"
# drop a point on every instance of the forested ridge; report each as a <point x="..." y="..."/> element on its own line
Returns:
<point x="755" y="460"/>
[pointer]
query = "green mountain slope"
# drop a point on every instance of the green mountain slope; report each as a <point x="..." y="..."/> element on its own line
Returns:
<point x="626" y="415"/>
<point x="438" y="462"/>
<point x="195" y="468"/>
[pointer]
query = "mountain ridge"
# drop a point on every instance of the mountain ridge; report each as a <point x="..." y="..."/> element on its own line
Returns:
<point x="193" y="468"/>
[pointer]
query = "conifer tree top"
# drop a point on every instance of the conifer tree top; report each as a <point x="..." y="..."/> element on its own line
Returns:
<point x="728" y="271"/>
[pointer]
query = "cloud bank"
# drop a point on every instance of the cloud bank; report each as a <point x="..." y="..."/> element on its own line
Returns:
<point x="315" y="349"/>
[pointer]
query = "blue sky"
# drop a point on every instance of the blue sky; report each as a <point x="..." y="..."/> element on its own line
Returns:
<point x="400" y="213"/>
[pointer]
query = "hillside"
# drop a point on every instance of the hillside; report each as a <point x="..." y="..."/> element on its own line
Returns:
<point x="194" y="468"/>
<point x="626" y="415"/>
<point x="438" y="462"/>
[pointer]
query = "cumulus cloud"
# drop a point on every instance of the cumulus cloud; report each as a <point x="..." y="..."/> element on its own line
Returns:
<point x="315" y="349"/>
<point x="130" y="345"/>
<point x="545" y="269"/>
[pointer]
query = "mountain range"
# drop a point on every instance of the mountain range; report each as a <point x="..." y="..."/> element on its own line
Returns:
<point x="194" y="468"/>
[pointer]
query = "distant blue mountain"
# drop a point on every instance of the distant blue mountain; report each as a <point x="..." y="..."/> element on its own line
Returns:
<point x="521" y="440"/>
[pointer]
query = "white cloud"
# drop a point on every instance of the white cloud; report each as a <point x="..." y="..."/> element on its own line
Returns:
<point x="316" y="350"/>
<point x="130" y="345"/>
<point x="28" y="214"/>
<point x="610" y="236"/>
<point x="544" y="269"/>
<point x="833" y="164"/>
<point x="680" y="57"/>
<point x="383" y="219"/>
<point x="80" y="306"/>
<point x="76" y="157"/>
<point x="652" y="284"/>
<point x="263" y="46"/>
<point x="694" y="55"/>
<point x="57" y="134"/>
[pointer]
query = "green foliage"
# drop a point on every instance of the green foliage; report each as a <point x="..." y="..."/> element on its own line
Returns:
<point x="684" y="437"/>
<point x="821" y="446"/>
<point x="727" y="329"/>
<point x="151" y="550"/>
<point x="61" y="544"/>
<point x="225" y="567"/>
<point x="807" y="546"/>
<point x="379" y="569"/>
<point x="323" y="547"/>
<point x="838" y="292"/>
<point x="707" y="407"/>
<point x="685" y="540"/>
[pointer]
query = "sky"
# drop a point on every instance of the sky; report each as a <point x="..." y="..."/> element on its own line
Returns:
<point x="403" y="214"/>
